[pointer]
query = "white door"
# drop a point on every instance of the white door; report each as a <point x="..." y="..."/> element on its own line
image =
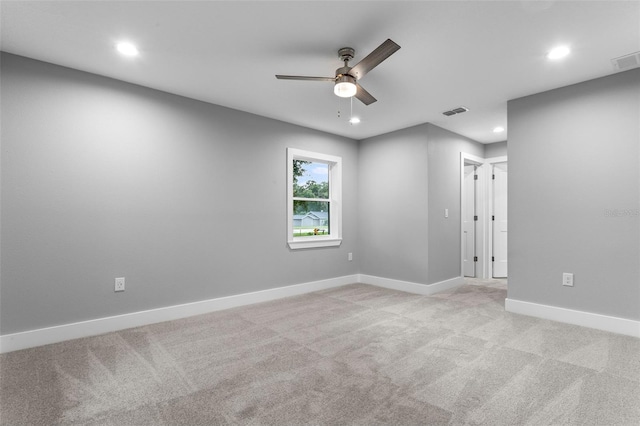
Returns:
<point x="499" y="251"/>
<point x="468" y="221"/>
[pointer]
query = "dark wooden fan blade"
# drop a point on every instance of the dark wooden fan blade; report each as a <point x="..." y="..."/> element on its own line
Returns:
<point x="374" y="58"/>
<point x="301" y="77"/>
<point x="364" y="96"/>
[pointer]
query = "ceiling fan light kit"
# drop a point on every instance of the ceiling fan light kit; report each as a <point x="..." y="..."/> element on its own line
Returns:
<point x="345" y="86"/>
<point x="346" y="79"/>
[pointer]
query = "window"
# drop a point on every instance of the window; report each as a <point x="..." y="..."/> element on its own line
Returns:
<point x="314" y="198"/>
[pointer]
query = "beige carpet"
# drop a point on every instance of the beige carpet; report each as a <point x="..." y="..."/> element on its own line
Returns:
<point x="353" y="355"/>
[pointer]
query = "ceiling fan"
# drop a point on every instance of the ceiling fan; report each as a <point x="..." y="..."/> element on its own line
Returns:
<point x="346" y="79"/>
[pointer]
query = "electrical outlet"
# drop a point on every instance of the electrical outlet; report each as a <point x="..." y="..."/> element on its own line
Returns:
<point x="350" y="257"/>
<point x="119" y="284"/>
<point x="446" y="213"/>
<point x="567" y="279"/>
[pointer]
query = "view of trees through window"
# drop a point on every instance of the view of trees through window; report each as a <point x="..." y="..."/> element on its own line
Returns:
<point x="310" y="198"/>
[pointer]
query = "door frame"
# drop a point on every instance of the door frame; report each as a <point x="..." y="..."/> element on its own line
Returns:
<point x="484" y="207"/>
<point x="469" y="215"/>
<point x="490" y="162"/>
<point x="480" y="228"/>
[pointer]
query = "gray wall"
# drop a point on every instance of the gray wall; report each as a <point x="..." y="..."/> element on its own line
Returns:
<point x="496" y="149"/>
<point x="393" y="205"/>
<point x="187" y="200"/>
<point x="573" y="158"/>
<point x="444" y="193"/>
<point x="406" y="180"/>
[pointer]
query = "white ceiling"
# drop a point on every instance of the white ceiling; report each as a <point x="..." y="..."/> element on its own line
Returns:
<point x="477" y="54"/>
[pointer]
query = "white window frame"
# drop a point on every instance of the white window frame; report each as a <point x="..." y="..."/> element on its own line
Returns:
<point x="334" y="238"/>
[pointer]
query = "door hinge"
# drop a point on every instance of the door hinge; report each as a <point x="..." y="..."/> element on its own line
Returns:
<point x="493" y="259"/>
<point x="475" y="258"/>
<point x="475" y="218"/>
<point x="475" y="177"/>
<point x="493" y="176"/>
<point x="493" y="217"/>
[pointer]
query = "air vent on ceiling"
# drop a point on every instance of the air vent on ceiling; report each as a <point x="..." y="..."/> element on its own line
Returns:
<point x="626" y="62"/>
<point x="455" y="111"/>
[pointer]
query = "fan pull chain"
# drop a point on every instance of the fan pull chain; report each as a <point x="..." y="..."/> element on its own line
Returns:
<point x="351" y="114"/>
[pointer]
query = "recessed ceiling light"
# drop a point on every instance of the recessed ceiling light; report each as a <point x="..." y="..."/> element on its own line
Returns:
<point x="127" y="49"/>
<point x="354" y="120"/>
<point x="498" y="129"/>
<point x="558" y="52"/>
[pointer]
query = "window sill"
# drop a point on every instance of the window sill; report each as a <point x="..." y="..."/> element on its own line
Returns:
<point x="314" y="243"/>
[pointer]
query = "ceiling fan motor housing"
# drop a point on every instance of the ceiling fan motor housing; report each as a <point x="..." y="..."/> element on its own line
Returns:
<point x="344" y="71"/>
<point x="345" y="78"/>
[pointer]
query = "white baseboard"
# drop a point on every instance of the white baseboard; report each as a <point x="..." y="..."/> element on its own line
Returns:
<point x="410" y="287"/>
<point x="60" y="333"/>
<point x="569" y="316"/>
